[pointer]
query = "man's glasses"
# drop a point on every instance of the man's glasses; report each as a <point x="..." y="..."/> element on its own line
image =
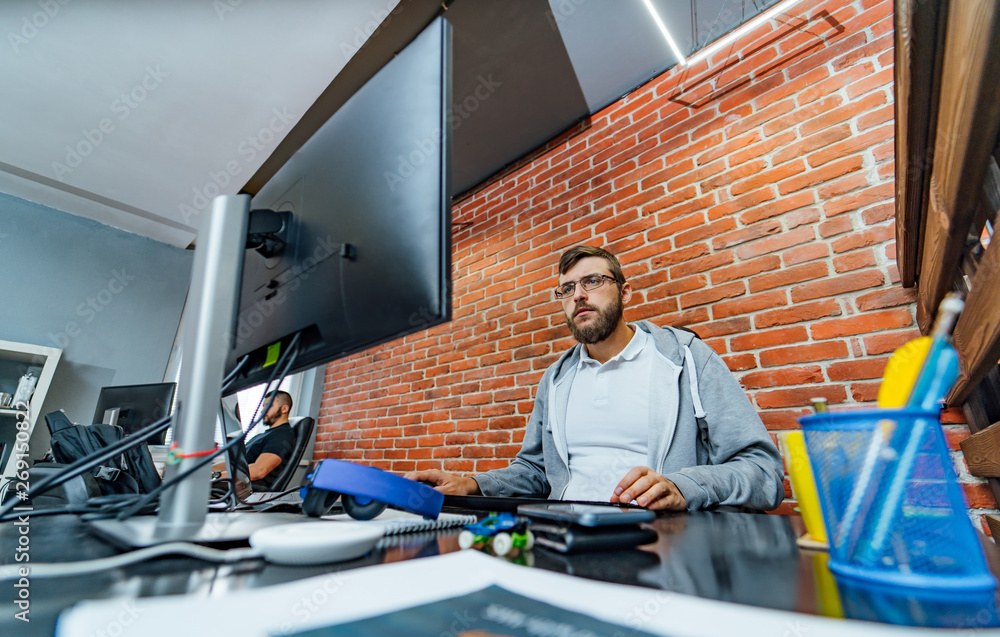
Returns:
<point x="589" y="284"/>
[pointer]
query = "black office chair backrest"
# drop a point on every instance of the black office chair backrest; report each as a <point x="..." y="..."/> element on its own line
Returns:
<point x="303" y="434"/>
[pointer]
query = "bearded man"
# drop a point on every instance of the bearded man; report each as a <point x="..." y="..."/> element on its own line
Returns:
<point x="273" y="448"/>
<point x="634" y="414"/>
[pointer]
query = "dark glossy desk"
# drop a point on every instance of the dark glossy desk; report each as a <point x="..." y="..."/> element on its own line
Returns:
<point x="735" y="557"/>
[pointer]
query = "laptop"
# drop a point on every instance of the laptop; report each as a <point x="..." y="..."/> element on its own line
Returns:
<point x="228" y="425"/>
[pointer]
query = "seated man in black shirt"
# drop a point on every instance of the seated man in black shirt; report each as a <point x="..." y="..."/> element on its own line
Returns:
<point x="267" y="452"/>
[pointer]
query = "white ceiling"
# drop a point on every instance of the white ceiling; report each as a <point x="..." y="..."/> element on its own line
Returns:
<point x="186" y="92"/>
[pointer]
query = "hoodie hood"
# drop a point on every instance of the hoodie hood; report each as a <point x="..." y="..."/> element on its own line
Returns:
<point x="671" y="343"/>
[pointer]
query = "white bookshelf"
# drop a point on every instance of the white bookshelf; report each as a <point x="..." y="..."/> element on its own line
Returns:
<point x="15" y="360"/>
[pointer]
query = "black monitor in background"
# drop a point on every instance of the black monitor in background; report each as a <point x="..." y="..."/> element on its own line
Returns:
<point x="367" y="254"/>
<point x="133" y="407"/>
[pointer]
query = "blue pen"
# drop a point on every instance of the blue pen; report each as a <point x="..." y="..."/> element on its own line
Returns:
<point x="937" y="375"/>
<point x="940" y="369"/>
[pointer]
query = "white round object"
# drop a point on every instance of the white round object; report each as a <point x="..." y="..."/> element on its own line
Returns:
<point x="315" y="542"/>
<point x="466" y="539"/>
<point x="502" y="544"/>
<point x="529" y="542"/>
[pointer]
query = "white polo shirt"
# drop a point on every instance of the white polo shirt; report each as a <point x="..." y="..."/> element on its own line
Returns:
<point x="607" y="422"/>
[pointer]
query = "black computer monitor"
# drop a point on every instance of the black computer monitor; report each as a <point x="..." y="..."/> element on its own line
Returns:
<point x="366" y="258"/>
<point x="367" y="254"/>
<point x="133" y="407"/>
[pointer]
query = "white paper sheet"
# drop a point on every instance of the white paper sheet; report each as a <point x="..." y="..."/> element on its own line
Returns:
<point x="374" y="590"/>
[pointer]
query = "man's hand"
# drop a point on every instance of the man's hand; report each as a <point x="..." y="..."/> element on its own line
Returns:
<point x="650" y="490"/>
<point x="446" y="483"/>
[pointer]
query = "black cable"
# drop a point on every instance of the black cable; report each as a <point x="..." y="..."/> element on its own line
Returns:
<point x="102" y="507"/>
<point x="94" y="508"/>
<point x="127" y="513"/>
<point x="227" y="496"/>
<point x="106" y="453"/>
<point x="236" y="370"/>
<point x="111" y="509"/>
<point x="35" y="513"/>
<point x="220" y="490"/>
<point x="284" y="366"/>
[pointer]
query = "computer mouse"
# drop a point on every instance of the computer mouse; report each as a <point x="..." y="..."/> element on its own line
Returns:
<point x="315" y="542"/>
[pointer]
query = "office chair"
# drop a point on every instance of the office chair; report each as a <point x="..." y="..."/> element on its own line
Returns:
<point x="303" y="434"/>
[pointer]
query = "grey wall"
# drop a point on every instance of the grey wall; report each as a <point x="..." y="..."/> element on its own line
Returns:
<point x="109" y="299"/>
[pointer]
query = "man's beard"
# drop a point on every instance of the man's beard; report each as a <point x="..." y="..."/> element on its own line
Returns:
<point x="599" y="328"/>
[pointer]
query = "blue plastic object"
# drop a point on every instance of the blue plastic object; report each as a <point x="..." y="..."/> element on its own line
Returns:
<point x="894" y="512"/>
<point x="366" y="484"/>
<point x="496" y="523"/>
<point x="939" y="373"/>
<point x="909" y="607"/>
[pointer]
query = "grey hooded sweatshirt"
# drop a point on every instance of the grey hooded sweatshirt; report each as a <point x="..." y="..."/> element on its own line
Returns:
<point x="704" y="434"/>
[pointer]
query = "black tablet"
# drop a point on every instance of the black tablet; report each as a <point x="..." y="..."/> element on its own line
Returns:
<point x="586" y="514"/>
<point x="487" y="503"/>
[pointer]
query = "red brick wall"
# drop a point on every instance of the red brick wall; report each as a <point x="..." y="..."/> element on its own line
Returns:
<point x="749" y="197"/>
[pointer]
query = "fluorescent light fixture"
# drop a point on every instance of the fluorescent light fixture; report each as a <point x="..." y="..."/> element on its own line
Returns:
<point x="663" y="30"/>
<point x="737" y="32"/>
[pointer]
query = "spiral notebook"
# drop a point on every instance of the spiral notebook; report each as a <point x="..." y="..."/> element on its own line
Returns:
<point x="396" y="522"/>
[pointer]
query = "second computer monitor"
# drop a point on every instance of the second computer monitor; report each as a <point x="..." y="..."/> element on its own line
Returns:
<point x="133" y="407"/>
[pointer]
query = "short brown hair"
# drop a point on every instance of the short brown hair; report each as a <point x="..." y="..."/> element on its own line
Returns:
<point x="572" y="256"/>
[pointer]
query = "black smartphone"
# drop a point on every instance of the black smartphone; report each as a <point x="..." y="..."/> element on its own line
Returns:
<point x="586" y="514"/>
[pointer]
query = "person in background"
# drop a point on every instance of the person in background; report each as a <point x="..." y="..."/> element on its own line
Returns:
<point x="269" y="450"/>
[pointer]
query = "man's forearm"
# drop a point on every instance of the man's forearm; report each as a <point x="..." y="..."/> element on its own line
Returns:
<point x="265" y="464"/>
<point x="519" y="479"/>
<point x="742" y="481"/>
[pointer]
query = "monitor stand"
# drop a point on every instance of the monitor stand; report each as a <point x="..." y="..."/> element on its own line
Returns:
<point x="111" y="416"/>
<point x="209" y="320"/>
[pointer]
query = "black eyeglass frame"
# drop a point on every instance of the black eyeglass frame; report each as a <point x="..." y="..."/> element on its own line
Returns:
<point x="569" y="292"/>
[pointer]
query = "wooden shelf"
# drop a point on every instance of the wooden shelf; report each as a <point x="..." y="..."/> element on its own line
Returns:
<point x="24" y="354"/>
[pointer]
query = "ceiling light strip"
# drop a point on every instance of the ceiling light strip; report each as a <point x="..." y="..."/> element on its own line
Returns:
<point x="663" y="30"/>
<point x="742" y="29"/>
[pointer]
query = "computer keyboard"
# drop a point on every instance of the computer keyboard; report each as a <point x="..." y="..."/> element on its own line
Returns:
<point x="269" y="499"/>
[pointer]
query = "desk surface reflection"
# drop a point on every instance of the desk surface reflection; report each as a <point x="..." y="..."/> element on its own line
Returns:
<point x="734" y="557"/>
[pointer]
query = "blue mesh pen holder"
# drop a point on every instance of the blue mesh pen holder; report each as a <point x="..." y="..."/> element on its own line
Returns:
<point x="893" y="509"/>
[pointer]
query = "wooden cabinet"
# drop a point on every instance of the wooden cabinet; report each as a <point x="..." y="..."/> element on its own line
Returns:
<point x="948" y="195"/>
